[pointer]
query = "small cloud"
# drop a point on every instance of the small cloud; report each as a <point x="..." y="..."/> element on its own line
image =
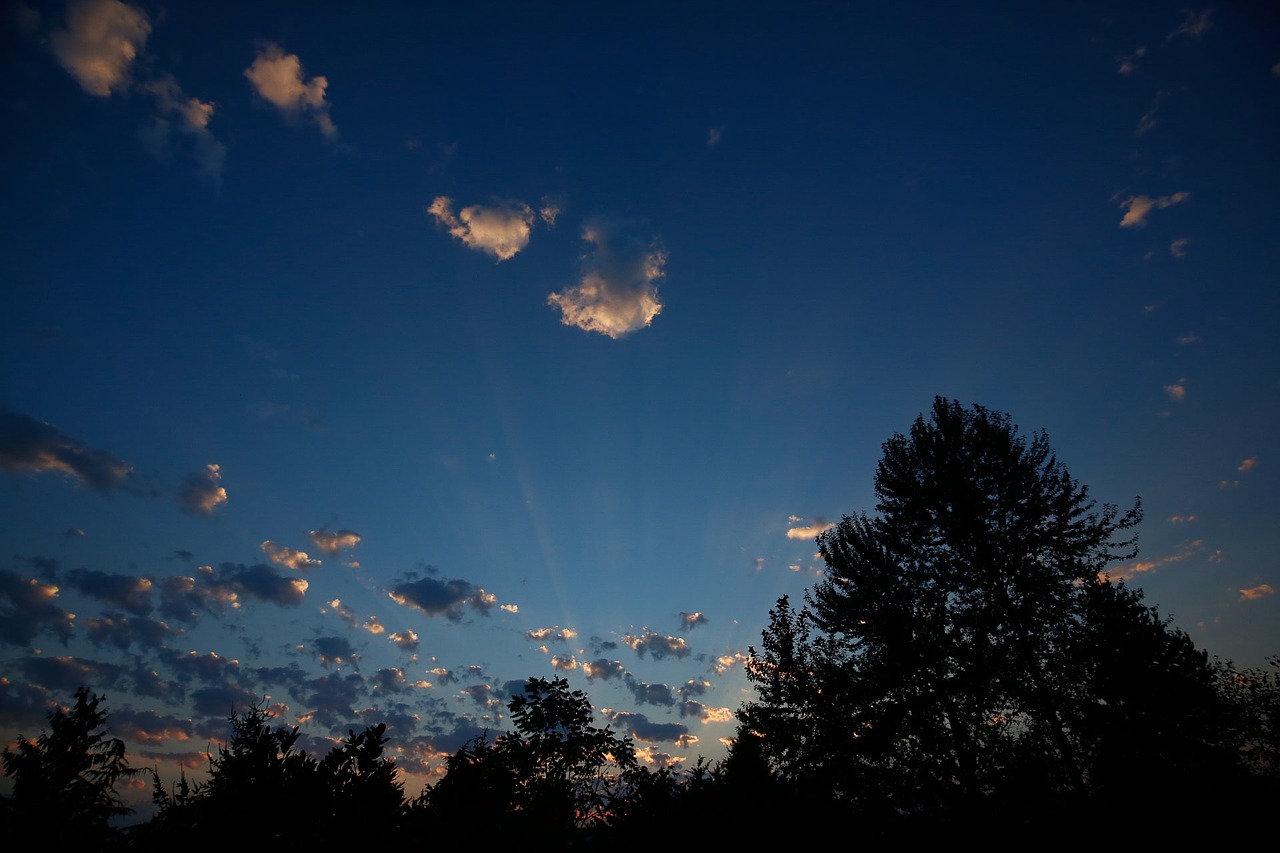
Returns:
<point x="1248" y="464"/>
<point x="1257" y="592"/>
<point x="288" y="557"/>
<point x="603" y="669"/>
<point x="689" y="621"/>
<point x="202" y="493"/>
<point x="1228" y="484"/>
<point x="1194" y="25"/>
<point x="1149" y="121"/>
<point x="31" y="446"/>
<point x="550" y="210"/>
<point x="1178" y="248"/>
<point x="334" y="542"/>
<point x="99" y="44"/>
<point x="1275" y="70"/>
<point x="1138" y="206"/>
<point x="73" y="533"/>
<point x="657" y="645"/>
<point x="1128" y="63"/>
<point x="540" y="635"/>
<point x="617" y="293"/>
<point x="1177" y="391"/>
<point x="193" y="121"/>
<point x="501" y="229"/>
<point x="714" y="135"/>
<point x="808" y="531"/>
<point x="278" y="79"/>
<point x="1181" y="519"/>
<point x="1131" y="570"/>
<point x="1188" y="338"/>
<point x="442" y="598"/>
<point x="407" y="640"/>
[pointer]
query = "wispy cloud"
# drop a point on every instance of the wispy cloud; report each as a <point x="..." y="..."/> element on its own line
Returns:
<point x="203" y="492"/>
<point x="807" y="531"/>
<point x="1137" y="207"/>
<point x="1248" y="464"/>
<point x="1257" y="592"/>
<point x="1128" y="63"/>
<point x="278" y="78"/>
<point x="193" y="117"/>
<point x="1178" y="248"/>
<point x="100" y="42"/>
<point x="1194" y="24"/>
<point x="501" y="229"/>
<point x="1130" y="570"/>
<point x="618" y="290"/>
<point x="31" y="446"/>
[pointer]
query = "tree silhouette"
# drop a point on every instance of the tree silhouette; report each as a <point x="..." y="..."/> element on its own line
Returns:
<point x="965" y="654"/>
<point x="64" y="782"/>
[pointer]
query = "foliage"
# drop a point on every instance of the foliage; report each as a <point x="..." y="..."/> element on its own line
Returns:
<point x="64" y="783"/>
<point x="966" y="654"/>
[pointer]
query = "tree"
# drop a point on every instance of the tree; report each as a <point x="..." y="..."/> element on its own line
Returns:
<point x="941" y="650"/>
<point x="64" y="782"/>
<point x="555" y="773"/>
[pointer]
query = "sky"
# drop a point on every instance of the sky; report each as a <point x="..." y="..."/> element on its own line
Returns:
<point x="366" y="363"/>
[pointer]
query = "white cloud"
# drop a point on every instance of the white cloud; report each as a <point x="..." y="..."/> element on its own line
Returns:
<point x="1194" y="25"/>
<point x="333" y="542"/>
<point x="278" y="79"/>
<point x="288" y="557"/>
<point x="100" y="42"/>
<point x="1178" y="248"/>
<point x="808" y="531"/>
<point x="1138" y="206"/>
<point x="501" y="229"/>
<point x="618" y="291"/>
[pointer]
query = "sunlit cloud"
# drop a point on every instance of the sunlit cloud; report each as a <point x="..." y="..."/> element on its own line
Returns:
<point x="333" y="651"/>
<point x="29" y="608"/>
<point x="543" y="634"/>
<point x="1181" y="519"/>
<point x="642" y="729"/>
<point x="724" y="663"/>
<point x="202" y="493"/>
<point x="1257" y="592"/>
<point x="442" y="598"/>
<point x="1178" y="248"/>
<point x="31" y="446"/>
<point x="258" y="581"/>
<point x="193" y="121"/>
<point x="808" y="531"/>
<point x="617" y="293"/>
<point x="288" y="557"/>
<point x="407" y="640"/>
<point x="127" y="592"/>
<point x="550" y="210"/>
<point x="278" y="79"/>
<point x="501" y="229"/>
<point x="334" y="542"/>
<point x="689" y="621"/>
<point x="1137" y="207"/>
<point x="1177" y="391"/>
<point x="1248" y="464"/>
<point x="564" y="663"/>
<point x="603" y="669"/>
<point x="1128" y="571"/>
<point x="1128" y="63"/>
<point x="656" y="645"/>
<point x="101" y="40"/>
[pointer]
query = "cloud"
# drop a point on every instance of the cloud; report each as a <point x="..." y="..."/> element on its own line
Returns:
<point x="543" y="634"/>
<point x="29" y="607"/>
<point x="288" y="557"/>
<point x="31" y="446"/>
<point x="202" y="493"/>
<point x="645" y="731"/>
<point x="1248" y="464"/>
<point x="1138" y="206"/>
<point x="99" y="44"/>
<point x="1129" y="63"/>
<point x="1129" y="570"/>
<point x="1254" y="593"/>
<point x="442" y="598"/>
<point x="618" y="290"/>
<point x="501" y="229"/>
<point x="1194" y="25"/>
<point x="657" y="645"/>
<point x="689" y="621"/>
<point x="193" y="120"/>
<point x="1148" y="122"/>
<point x="127" y="592"/>
<point x="651" y="694"/>
<point x="257" y="581"/>
<point x="1178" y="248"/>
<point x="603" y="669"/>
<point x="1181" y="519"/>
<point x="550" y="210"/>
<point x="334" y="542"/>
<point x="334" y="650"/>
<point x="809" y="531"/>
<point x="278" y="79"/>
<point x="407" y="640"/>
<point x="714" y="136"/>
<point x="1177" y="391"/>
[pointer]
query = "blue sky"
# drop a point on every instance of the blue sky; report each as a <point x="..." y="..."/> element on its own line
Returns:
<point x="367" y="362"/>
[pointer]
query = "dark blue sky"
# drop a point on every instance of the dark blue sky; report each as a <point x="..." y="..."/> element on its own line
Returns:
<point x="373" y="360"/>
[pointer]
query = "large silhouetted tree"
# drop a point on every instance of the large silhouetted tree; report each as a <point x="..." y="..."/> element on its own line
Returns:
<point x="64" y="781"/>
<point x="965" y="653"/>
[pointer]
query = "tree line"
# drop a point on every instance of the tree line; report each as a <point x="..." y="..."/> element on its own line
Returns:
<point x="965" y="669"/>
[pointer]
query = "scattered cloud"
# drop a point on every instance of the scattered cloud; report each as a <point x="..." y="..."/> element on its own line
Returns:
<point x="193" y="117"/>
<point x="278" y="78"/>
<point x="714" y="136"/>
<point x="689" y="621"/>
<point x="1130" y="570"/>
<point x="442" y="598"/>
<point x="1177" y="391"/>
<point x="1181" y="519"/>
<point x="258" y="581"/>
<point x="544" y="634"/>
<point x="1194" y="24"/>
<point x="501" y="229"/>
<point x="101" y="40"/>
<point x="603" y="669"/>
<point x="127" y="592"/>
<point x="1257" y="592"/>
<point x="29" y="608"/>
<point x="407" y="640"/>
<point x="202" y="493"/>
<point x="334" y="542"/>
<point x="1248" y="464"/>
<point x="1188" y="338"/>
<point x="1178" y="248"/>
<point x="1128" y="63"/>
<point x="1149" y="121"/>
<point x="656" y="645"/>
<point x="1228" y="484"/>
<point x="1137" y="207"/>
<point x="617" y="293"/>
<point x="333" y="651"/>
<point x="550" y="210"/>
<point x="289" y="558"/>
<point x="807" y="531"/>
<point x="31" y="446"/>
